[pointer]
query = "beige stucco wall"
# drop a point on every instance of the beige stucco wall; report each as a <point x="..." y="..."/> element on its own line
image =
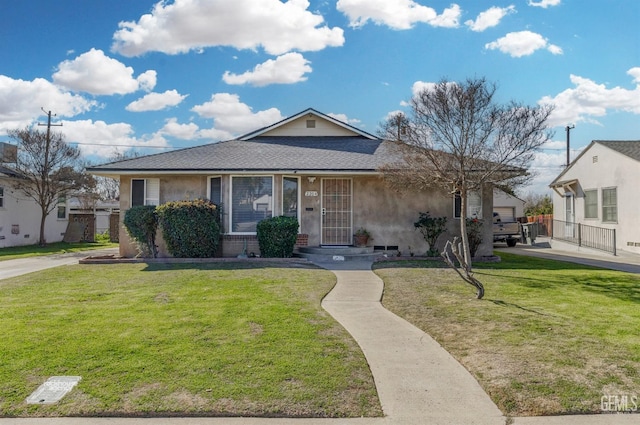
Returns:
<point x="609" y="169"/>
<point x="299" y="128"/>
<point x="388" y="215"/>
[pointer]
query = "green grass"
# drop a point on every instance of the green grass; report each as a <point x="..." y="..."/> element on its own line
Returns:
<point x="205" y="339"/>
<point x="548" y="338"/>
<point x="15" y="252"/>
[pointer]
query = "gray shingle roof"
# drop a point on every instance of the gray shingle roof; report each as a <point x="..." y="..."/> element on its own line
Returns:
<point x="630" y="148"/>
<point x="350" y="153"/>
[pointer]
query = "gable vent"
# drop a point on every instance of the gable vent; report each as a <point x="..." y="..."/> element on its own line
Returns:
<point x="311" y="123"/>
<point x="595" y="159"/>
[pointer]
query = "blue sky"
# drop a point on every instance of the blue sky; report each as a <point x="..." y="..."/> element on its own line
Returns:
<point x="147" y="75"/>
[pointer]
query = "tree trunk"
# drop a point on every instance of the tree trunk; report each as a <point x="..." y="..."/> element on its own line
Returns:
<point x="43" y="218"/>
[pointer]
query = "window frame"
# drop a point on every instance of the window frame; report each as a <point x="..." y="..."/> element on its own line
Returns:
<point x="231" y="201"/>
<point x="457" y="205"/>
<point x="298" y="196"/>
<point x="61" y="207"/>
<point x="591" y="205"/>
<point x="1" y="196"/>
<point x="209" y="189"/>
<point x="605" y="216"/>
<point x="147" y="200"/>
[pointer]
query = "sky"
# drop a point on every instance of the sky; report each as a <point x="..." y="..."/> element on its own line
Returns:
<point x="150" y="76"/>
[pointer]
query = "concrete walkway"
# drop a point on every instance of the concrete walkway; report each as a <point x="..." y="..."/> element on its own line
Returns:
<point x="418" y="382"/>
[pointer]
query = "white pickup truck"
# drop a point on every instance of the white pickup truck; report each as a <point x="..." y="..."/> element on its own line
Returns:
<point x="506" y="231"/>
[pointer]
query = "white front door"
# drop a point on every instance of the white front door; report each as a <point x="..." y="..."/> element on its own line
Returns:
<point x="336" y="220"/>
<point x="570" y="218"/>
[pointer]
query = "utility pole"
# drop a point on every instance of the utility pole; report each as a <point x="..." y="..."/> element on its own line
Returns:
<point x="49" y="125"/>
<point x="44" y="175"/>
<point x="568" y="129"/>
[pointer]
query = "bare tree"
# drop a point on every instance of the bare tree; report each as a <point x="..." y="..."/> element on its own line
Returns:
<point x="458" y="139"/>
<point x="48" y="169"/>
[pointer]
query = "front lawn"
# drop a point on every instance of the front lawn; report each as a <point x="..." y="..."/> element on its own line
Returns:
<point x="548" y="338"/>
<point x="205" y="339"/>
<point x="14" y="252"/>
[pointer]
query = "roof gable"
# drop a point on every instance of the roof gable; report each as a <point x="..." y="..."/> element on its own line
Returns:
<point x="308" y="123"/>
<point x="628" y="148"/>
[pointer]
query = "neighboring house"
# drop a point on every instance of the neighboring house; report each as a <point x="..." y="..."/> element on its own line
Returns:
<point x="509" y="207"/>
<point x="600" y="188"/>
<point x="310" y="166"/>
<point x="20" y="215"/>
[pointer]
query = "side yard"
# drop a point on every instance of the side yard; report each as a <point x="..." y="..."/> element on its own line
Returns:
<point x="211" y="339"/>
<point x="549" y="338"/>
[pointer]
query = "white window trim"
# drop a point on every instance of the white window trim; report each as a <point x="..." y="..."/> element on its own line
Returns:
<point x="271" y="176"/>
<point x="299" y="200"/>
<point x="209" y="186"/>
<point x="147" y="200"/>
<point x="597" y="204"/>
<point x="468" y="205"/>
<point x="602" y="204"/>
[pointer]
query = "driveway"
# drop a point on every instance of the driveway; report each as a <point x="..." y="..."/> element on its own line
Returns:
<point x="11" y="268"/>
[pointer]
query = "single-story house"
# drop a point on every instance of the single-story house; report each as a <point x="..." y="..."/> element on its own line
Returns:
<point x="311" y="166"/>
<point x="600" y="189"/>
<point x="20" y="215"/>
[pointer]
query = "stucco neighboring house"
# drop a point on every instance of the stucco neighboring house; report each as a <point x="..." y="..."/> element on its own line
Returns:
<point x="310" y="166"/>
<point x="601" y="188"/>
<point x="20" y="215"/>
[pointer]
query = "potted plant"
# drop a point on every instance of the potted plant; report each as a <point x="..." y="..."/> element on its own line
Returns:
<point x="361" y="237"/>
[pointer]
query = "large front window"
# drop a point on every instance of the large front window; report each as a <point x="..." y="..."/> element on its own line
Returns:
<point x="251" y="201"/>
<point x="609" y="205"/>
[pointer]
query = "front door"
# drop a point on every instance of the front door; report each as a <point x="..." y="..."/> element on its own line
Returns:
<point x="336" y="212"/>
<point x="569" y="206"/>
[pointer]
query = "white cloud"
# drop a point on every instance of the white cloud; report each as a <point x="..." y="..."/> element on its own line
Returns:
<point x="345" y="119"/>
<point x="544" y="3"/>
<point x="180" y="131"/>
<point x="147" y="80"/>
<point x="156" y="101"/>
<point x="186" y="25"/>
<point x="289" y="68"/>
<point x="489" y="18"/>
<point x="588" y="100"/>
<point x="101" y="139"/>
<point x="398" y="14"/>
<point x="20" y="102"/>
<point x="522" y="43"/>
<point x="93" y="72"/>
<point x="232" y="117"/>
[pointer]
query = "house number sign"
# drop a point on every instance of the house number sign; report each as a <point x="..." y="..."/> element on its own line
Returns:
<point x="311" y="193"/>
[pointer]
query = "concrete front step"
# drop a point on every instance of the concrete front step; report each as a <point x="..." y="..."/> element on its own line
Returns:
<point x="341" y="253"/>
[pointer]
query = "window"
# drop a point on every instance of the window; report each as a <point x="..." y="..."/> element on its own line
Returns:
<point x="591" y="204"/>
<point x="474" y="205"/>
<point x="1" y="197"/>
<point x="62" y="207"/>
<point x="251" y="201"/>
<point x="215" y="190"/>
<point x="609" y="205"/>
<point x="145" y="192"/>
<point x="290" y="197"/>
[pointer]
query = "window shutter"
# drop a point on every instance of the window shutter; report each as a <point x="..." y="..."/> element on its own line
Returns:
<point x="137" y="192"/>
<point x="215" y="191"/>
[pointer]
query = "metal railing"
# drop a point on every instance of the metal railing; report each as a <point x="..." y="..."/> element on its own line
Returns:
<point x="584" y="235"/>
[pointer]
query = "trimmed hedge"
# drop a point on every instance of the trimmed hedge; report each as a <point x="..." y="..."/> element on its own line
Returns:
<point x="141" y="222"/>
<point x="277" y="236"/>
<point x="191" y="229"/>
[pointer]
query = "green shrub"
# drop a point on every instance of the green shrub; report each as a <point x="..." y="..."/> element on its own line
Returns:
<point x="277" y="236"/>
<point x="191" y="229"/>
<point x="431" y="228"/>
<point x="141" y="222"/>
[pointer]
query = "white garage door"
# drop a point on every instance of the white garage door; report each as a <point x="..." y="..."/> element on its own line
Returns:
<point x="506" y="213"/>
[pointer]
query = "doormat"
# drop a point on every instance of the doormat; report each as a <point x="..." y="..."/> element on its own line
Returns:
<point x="53" y="389"/>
